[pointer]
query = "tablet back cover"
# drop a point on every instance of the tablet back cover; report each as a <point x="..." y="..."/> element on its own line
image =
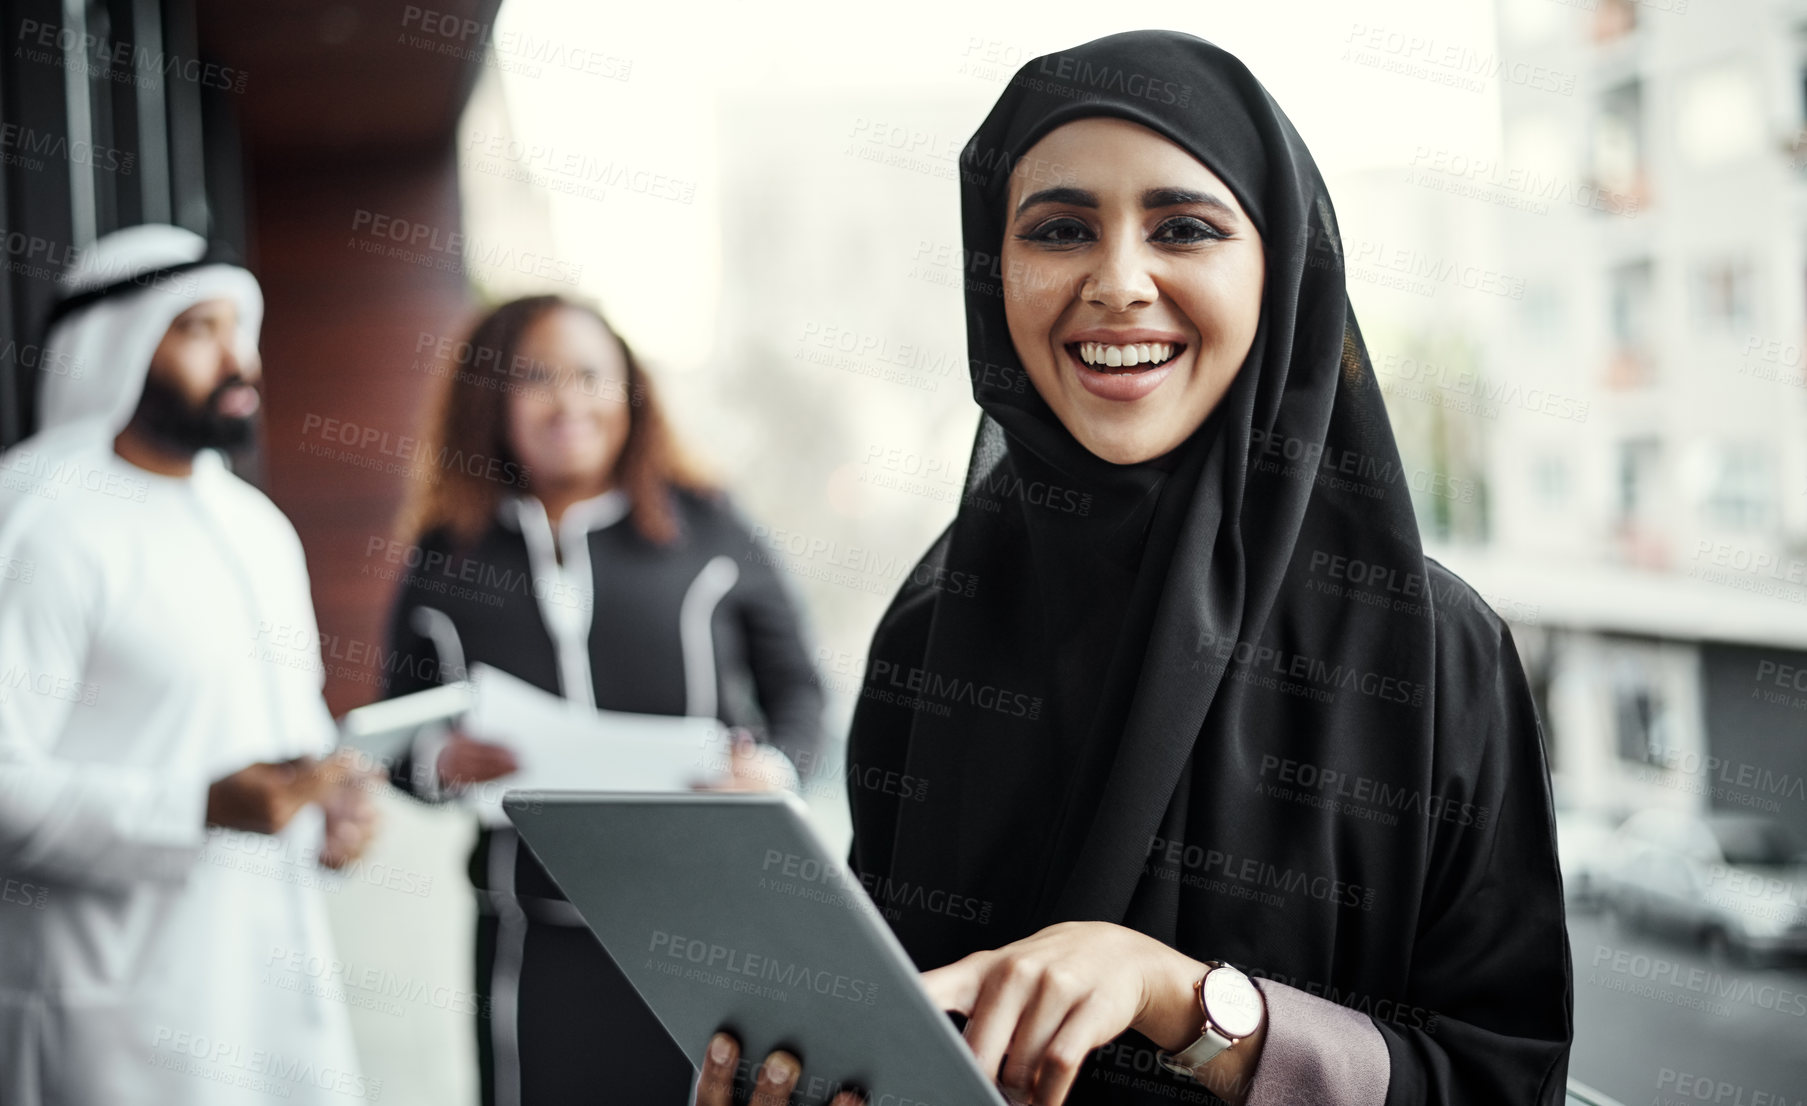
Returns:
<point x="727" y="911"/>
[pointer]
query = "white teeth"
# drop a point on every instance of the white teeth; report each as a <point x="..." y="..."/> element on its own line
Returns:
<point x="1142" y="353"/>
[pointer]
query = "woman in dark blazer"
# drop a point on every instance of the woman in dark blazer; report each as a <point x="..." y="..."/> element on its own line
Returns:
<point x="566" y="541"/>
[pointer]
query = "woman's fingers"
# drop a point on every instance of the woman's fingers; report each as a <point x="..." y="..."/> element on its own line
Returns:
<point x="1086" y="1027"/>
<point x="1009" y="984"/>
<point x="1056" y="994"/>
<point x="956" y="986"/>
<point x="848" y="1098"/>
<point x="777" y="1079"/>
<point x="715" y="1087"/>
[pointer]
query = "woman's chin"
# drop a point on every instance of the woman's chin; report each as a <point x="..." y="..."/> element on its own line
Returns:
<point x="566" y="471"/>
<point x="1126" y="446"/>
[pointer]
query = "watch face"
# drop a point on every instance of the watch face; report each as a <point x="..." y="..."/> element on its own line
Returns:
<point x="1232" y="1002"/>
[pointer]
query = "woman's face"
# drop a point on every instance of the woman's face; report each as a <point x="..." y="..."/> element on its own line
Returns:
<point x="1132" y="285"/>
<point x="569" y="419"/>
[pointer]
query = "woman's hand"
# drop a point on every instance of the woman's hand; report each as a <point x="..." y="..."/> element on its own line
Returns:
<point x="465" y="761"/>
<point x="1037" y="1006"/>
<point x="748" y="770"/>
<point x="777" y="1077"/>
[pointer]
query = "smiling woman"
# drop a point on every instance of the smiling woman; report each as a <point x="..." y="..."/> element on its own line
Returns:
<point x="1259" y="833"/>
<point x="598" y="566"/>
<point x="1143" y="228"/>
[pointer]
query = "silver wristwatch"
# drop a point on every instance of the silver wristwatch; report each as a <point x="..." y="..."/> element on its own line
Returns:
<point x="1232" y="1010"/>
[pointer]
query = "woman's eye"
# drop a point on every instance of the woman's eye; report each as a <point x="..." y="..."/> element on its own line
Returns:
<point x="1060" y="232"/>
<point x="1186" y="231"/>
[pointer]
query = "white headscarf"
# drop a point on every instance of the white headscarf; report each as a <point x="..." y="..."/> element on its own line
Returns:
<point x="107" y="345"/>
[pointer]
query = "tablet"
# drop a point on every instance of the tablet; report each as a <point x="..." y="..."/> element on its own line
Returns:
<point x="726" y="910"/>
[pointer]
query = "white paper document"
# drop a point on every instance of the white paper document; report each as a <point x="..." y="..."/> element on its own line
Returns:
<point x="384" y="729"/>
<point x="564" y="746"/>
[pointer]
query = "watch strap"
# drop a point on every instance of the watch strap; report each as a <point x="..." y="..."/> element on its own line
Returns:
<point x="1192" y="1058"/>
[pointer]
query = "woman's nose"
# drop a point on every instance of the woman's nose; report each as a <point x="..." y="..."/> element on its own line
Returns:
<point x="1120" y="281"/>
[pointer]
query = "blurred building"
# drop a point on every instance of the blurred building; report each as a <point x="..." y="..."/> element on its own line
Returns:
<point x="1654" y="175"/>
<point x="1647" y="437"/>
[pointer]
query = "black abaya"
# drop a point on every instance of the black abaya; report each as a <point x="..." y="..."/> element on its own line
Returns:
<point x="1224" y="698"/>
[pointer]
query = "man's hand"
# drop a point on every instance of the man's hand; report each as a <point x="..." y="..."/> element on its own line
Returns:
<point x="351" y="814"/>
<point x="261" y="798"/>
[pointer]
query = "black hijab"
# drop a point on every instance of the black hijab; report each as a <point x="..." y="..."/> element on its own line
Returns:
<point x="1222" y="697"/>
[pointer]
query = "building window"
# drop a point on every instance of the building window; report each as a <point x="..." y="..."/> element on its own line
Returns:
<point x="1550" y="476"/>
<point x="1739" y="492"/>
<point x="1618" y="144"/>
<point x="1724" y="295"/>
<point x="1631" y="294"/>
<point x="1641" y="723"/>
<point x="1639" y="459"/>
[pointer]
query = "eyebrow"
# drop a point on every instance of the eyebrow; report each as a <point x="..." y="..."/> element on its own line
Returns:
<point x="1151" y="199"/>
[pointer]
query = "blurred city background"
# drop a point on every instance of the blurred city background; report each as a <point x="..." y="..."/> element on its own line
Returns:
<point x="1577" y="244"/>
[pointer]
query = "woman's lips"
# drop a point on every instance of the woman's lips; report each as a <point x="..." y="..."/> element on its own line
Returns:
<point x="1120" y="385"/>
